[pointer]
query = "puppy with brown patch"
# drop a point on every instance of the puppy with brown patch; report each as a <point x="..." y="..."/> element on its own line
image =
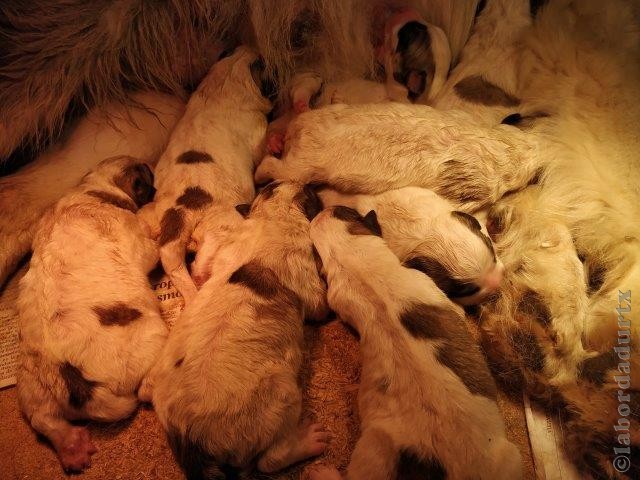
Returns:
<point x="427" y="233"/>
<point x="90" y="328"/>
<point x="427" y="401"/>
<point x="210" y="157"/>
<point x="226" y="388"/>
<point x="377" y="147"/>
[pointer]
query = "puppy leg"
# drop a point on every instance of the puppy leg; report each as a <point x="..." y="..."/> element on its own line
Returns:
<point x="72" y="444"/>
<point x="307" y="440"/>
<point x="271" y="168"/>
<point x="374" y="457"/>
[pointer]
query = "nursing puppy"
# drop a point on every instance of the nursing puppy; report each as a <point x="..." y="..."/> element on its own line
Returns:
<point x="226" y="388"/>
<point x="90" y="328"/>
<point x="427" y="233"/>
<point x="375" y="148"/>
<point x="424" y="382"/>
<point x="139" y="130"/>
<point x="210" y="157"/>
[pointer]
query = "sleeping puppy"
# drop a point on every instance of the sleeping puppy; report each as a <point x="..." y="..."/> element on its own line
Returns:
<point x="374" y="148"/>
<point x="226" y="388"/>
<point x="308" y="90"/>
<point x="210" y="157"/>
<point x="90" y="327"/>
<point x="427" y="233"/>
<point x="424" y="382"/>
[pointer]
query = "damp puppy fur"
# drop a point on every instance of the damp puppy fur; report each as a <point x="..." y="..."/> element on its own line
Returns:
<point x="210" y="157"/>
<point x="90" y="328"/>
<point x="424" y="382"/>
<point x="226" y="388"/>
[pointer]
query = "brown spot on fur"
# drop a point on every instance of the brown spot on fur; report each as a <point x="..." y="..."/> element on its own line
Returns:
<point x="476" y="89"/>
<point x="417" y="67"/>
<point x="261" y="280"/>
<point x="171" y="226"/>
<point x="457" y="351"/>
<point x="533" y="305"/>
<point x="178" y="362"/>
<point x="595" y="369"/>
<point x="80" y="389"/>
<point x="268" y="190"/>
<point x="356" y="223"/>
<point x="452" y="287"/>
<point x="194" y="198"/>
<point x="526" y="344"/>
<point x="412" y="467"/>
<point x="137" y="182"/>
<point x="117" y="314"/>
<point x="456" y="183"/>
<point x="243" y="209"/>
<point x="112" y="199"/>
<point x="597" y="273"/>
<point x="308" y="202"/>
<point x="192" y="156"/>
<point x="523" y="122"/>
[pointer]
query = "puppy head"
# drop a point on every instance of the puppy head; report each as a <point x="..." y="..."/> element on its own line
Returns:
<point x="336" y="230"/>
<point x="129" y="175"/>
<point x="286" y="199"/>
<point x="459" y="258"/>
<point x="242" y="77"/>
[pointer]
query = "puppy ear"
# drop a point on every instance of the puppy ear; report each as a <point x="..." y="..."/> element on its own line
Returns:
<point x="137" y="182"/>
<point x="371" y="221"/>
<point x="243" y="209"/>
<point x="264" y="82"/>
<point x="311" y="204"/>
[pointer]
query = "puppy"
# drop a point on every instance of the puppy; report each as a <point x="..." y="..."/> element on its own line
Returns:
<point x="226" y="388"/>
<point x="427" y="233"/>
<point x="424" y="382"/>
<point x="140" y="130"/>
<point x="210" y="157"/>
<point x="89" y="323"/>
<point x="375" y="148"/>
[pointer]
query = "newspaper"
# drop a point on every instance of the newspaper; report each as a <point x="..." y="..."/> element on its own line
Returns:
<point x="546" y="437"/>
<point x="171" y="304"/>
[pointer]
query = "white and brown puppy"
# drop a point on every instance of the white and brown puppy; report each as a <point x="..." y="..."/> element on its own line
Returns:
<point x="226" y="388"/>
<point x="427" y="233"/>
<point x="90" y="328"/>
<point x="375" y="148"/>
<point x="210" y="157"/>
<point x="424" y="382"/>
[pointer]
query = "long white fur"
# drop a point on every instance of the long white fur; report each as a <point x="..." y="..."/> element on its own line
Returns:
<point x="225" y="119"/>
<point x="88" y="253"/>
<point x="140" y="132"/>
<point x="408" y="400"/>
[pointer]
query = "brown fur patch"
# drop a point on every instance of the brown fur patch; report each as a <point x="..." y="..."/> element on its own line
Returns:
<point x="476" y="89"/>
<point x="194" y="198"/>
<point x="137" y="182"/>
<point x="597" y="273"/>
<point x="243" y="209"/>
<point x="532" y="305"/>
<point x="595" y="369"/>
<point x="268" y="190"/>
<point x="80" y="389"/>
<point x="179" y="362"/>
<point x="261" y="280"/>
<point x="308" y="202"/>
<point x="458" y="351"/>
<point x="112" y="199"/>
<point x="171" y="226"/>
<point x="412" y="467"/>
<point x="456" y="183"/>
<point x="431" y="267"/>
<point x="356" y="223"/>
<point x="119" y="314"/>
<point x="472" y="223"/>
<point x="191" y="156"/>
<point x="525" y="343"/>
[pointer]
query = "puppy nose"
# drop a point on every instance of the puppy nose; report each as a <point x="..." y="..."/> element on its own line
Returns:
<point x="492" y="280"/>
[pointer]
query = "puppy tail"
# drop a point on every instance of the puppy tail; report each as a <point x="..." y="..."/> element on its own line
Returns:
<point x="196" y="462"/>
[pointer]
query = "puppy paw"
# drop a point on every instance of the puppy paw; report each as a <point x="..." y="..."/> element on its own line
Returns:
<point x="75" y="450"/>
<point x="314" y="440"/>
<point x="268" y="170"/>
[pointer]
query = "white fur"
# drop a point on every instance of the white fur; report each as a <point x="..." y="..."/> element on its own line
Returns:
<point x="409" y="400"/>
<point x="119" y="129"/>
<point x="88" y="254"/>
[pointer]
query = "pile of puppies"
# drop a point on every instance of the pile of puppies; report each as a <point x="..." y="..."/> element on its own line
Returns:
<point x="224" y="382"/>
